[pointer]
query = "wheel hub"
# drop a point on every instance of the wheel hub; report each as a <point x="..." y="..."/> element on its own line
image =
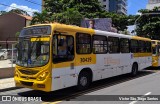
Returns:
<point x="83" y="81"/>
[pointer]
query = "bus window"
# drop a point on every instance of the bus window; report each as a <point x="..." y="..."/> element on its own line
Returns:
<point x="124" y="45"/>
<point x="148" y="47"/>
<point x="113" y="45"/>
<point x="154" y="50"/>
<point x="134" y="46"/>
<point x="99" y="44"/>
<point x="141" y="46"/>
<point x="63" y="50"/>
<point x="83" y="42"/>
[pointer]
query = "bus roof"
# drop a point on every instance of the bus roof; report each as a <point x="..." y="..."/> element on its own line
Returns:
<point x="99" y="32"/>
<point x="64" y="27"/>
<point x="141" y="38"/>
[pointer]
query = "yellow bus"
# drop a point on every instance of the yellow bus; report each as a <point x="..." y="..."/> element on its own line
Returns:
<point x="155" y="53"/>
<point x="56" y="56"/>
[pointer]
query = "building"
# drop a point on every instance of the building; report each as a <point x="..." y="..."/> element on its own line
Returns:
<point x="152" y="3"/>
<point x="105" y="4"/>
<point x="118" y="6"/>
<point x="10" y="24"/>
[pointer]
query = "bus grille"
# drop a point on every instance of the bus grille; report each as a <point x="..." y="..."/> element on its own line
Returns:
<point x="26" y="77"/>
<point x="29" y="72"/>
<point x="27" y="83"/>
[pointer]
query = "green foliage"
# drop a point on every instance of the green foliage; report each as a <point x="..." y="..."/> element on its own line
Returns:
<point x="70" y="16"/>
<point x="149" y="23"/>
<point x="73" y="11"/>
<point x="3" y="12"/>
<point x="125" y="32"/>
<point x="18" y="11"/>
<point x="17" y="34"/>
<point x="120" y="21"/>
<point x="43" y="17"/>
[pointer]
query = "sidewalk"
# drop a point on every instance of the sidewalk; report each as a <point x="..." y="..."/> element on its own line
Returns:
<point x="6" y="75"/>
<point x="6" y="63"/>
<point x="7" y="84"/>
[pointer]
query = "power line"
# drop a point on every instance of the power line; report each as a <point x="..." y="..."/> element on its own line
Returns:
<point x="15" y="7"/>
<point x="34" y="3"/>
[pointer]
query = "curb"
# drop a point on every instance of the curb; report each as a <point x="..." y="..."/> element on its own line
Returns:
<point x="11" y="88"/>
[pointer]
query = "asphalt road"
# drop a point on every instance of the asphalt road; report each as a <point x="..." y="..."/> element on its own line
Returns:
<point x="146" y="83"/>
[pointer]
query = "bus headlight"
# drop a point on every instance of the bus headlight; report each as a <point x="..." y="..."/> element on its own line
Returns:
<point x="42" y="76"/>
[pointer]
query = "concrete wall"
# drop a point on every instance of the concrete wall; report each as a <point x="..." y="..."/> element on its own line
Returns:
<point x="6" y="72"/>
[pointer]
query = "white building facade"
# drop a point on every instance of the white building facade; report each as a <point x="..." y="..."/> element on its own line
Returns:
<point x="152" y="3"/>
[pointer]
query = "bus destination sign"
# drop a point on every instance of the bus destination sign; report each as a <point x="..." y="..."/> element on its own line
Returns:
<point x="36" y="30"/>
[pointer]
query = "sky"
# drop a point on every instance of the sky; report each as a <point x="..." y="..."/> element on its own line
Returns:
<point x="21" y="4"/>
<point x="133" y="5"/>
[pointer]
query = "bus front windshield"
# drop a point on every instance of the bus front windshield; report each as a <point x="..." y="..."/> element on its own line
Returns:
<point x="32" y="52"/>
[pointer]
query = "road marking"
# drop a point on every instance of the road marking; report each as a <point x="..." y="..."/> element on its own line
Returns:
<point x="56" y="102"/>
<point x="133" y="102"/>
<point x="148" y="93"/>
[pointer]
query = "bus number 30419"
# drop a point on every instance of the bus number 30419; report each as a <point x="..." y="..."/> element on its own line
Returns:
<point x="89" y="59"/>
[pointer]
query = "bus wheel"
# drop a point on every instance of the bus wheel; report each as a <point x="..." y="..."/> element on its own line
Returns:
<point x="134" y="70"/>
<point x="83" y="80"/>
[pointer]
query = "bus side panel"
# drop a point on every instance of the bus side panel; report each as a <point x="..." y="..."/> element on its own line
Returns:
<point x="144" y="60"/>
<point x="109" y="65"/>
<point x="63" y="78"/>
<point x="149" y="61"/>
<point x="126" y="62"/>
<point x="158" y="60"/>
<point x="58" y="78"/>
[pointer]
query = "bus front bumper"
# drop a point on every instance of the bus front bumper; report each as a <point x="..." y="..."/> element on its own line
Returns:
<point x="34" y="84"/>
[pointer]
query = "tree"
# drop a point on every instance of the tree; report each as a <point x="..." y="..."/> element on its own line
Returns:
<point x="18" y="11"/>
<point x="70" y="16"/>
<point x="40" y="17"/>
<point x="85" y="8"/>
<point x="120" y="21"/>
<point x="17" y="34"/>
<point x="2" y="12"/>
<point x="73" y="11"/>
<point x="148" y="25"/>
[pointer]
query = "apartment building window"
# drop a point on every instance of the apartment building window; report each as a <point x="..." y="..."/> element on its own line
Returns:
<point x="104" y="0"/>
<point x="104" y="5"/>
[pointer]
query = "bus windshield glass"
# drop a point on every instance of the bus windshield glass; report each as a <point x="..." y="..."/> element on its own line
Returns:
<point x="33" y="52"/>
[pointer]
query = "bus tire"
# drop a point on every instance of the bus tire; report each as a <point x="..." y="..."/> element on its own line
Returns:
<point x="134" y="70"/>
<point x="84" y="80"/>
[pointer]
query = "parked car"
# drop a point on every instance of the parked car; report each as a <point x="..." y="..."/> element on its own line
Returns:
<point x="3" y="54"/>
<point x="10" y="53"/>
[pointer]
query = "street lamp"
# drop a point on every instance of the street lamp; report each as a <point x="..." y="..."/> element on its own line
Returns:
<point x="135" y="23"/>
